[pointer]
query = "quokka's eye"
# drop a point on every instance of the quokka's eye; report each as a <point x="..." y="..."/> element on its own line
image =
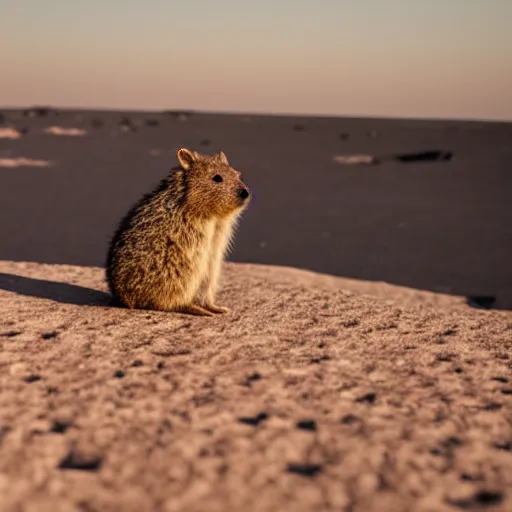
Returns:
<point x="217" y="178"/>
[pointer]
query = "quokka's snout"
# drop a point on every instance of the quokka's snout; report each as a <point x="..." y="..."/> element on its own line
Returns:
<point x="243" y="193"/>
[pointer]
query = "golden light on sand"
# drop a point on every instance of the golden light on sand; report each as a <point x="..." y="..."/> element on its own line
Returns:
<point x="24" y="162"/>
<point x="354" y="159"/>
<point x="9" y="133"/>
<point x="71" y="132"/>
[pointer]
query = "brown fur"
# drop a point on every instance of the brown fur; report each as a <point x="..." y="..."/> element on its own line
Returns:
<point x="168" y="249"/>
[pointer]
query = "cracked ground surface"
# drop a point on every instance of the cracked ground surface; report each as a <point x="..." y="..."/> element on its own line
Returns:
<point x="306" y="397"/>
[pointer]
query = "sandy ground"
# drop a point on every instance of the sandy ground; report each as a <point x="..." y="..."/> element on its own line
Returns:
<point x="307" y="397"/>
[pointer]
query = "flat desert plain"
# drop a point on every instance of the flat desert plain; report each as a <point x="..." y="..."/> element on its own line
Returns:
<point x="364" y="383"/>
<point x="329" y="194"/>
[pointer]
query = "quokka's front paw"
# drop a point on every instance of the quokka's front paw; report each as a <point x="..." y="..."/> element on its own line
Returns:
<point x="194" y="309"/>
<point x="219" y="310"/>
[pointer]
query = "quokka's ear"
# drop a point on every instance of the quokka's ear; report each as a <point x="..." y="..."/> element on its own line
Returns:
<point x="223" y="158"/>
<point x="186" y="158"/>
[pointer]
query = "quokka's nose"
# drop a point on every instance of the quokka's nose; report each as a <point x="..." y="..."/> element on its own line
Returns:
<point x="243" y="193"/>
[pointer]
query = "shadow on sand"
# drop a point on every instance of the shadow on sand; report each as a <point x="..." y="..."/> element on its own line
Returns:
<point x="53" y="290"/>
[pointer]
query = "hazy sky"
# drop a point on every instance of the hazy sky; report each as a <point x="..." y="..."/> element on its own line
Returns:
<point x="412" y="58"/>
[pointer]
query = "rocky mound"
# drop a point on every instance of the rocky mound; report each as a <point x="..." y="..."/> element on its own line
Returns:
<point x="307" y="397"/>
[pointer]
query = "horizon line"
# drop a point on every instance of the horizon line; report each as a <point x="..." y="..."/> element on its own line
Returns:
<point x="261" y="113"/>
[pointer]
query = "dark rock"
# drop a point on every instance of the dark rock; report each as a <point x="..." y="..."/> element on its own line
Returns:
<point x="32" y="378"/>
<point x="480" y="499"/>
<point x="492" y="406"/>
<point x="425" y="156"/>
<point x="505" y="446"/>
<point x="80" y="461"/>
<point x="481" y="301"/>
<point x="316" y="360"/>
<point x="306" y="425"/>
<point x="368" y="398"/>
<point x="309" y="470"/>
<point x="251" y="378"/>
<point x="254" y="421"/>
<point x="60" y="427"/>
<point x="349" y="419"/>
<point x="11" y="334"/>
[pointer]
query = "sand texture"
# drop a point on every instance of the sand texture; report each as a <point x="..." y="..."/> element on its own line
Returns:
<point x="308" y="397"/>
